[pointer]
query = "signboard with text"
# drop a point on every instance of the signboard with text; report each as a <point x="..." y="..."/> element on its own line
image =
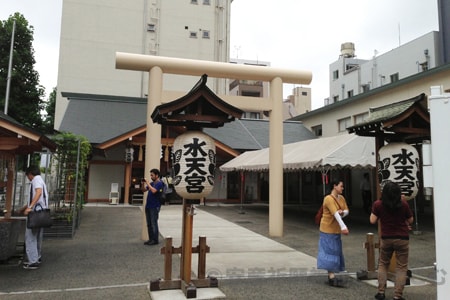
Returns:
<point x="399" y="163"/>
<point x="194" y="162"/>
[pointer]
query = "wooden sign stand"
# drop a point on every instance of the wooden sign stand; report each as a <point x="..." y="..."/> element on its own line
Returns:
<point x="371" y="272"/>
<point x="185" y="283"/>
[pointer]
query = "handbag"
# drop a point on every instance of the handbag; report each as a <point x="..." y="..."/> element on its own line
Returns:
<point x="318" y="216"/>
<point x="39" y="218"/>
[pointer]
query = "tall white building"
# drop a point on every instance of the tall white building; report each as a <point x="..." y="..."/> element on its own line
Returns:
<point x="92" y="31"/>
<point x="350" y="76"/>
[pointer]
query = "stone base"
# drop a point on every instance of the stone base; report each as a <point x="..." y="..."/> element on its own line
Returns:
<point x="9" y="236"/>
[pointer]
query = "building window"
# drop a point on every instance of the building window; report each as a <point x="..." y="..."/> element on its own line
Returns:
<point x="206" y="2"/>
<point x="335" y="74"/>
<point x="361" y="118"/>
<point x="194" y="2"/>
<point x="317" y="130"/>
<point x="193" y="34"/>
<point x="344" y="124"/>
<point x="251" y="93"/>
<point x="365" y="88"/>
<point x="205" y="34"/>
<point x="251" y="115"/>
<point x="350" y="94"/>
<point x="151" y="27"/>
<point x="304" y="93"/>
<point x="351" y="67"/>
<point x="394" y="77"/>
<point x="335" y="99"/>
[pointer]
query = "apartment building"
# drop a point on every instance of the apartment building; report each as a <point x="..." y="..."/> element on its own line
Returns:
<point x="297" y="103"/>
<point x="357" y="85"/>
<point x="351" y="76"/>
<point x="93" y="31"/>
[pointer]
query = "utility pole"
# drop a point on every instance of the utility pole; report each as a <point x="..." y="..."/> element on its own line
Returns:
<point x="8" y="80"/>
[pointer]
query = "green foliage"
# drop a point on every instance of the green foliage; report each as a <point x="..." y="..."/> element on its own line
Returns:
<point x="49" y="118"/>
<point x="67" y="157"/>
<point x="26" y="94"/>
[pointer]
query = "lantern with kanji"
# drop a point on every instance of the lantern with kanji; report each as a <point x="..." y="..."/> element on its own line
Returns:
<point x="193" y="162"/>
<point x="399" y="163"/>
<point x="193" y="153"/>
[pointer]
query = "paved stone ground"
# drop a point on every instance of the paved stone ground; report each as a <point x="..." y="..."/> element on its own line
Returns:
<point x="107" y="260"/>
<point x="301" y="233"/>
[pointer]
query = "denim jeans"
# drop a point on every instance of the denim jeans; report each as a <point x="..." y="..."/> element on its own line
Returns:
<point x="401" y="249"/>
<point x="151" y="215"/>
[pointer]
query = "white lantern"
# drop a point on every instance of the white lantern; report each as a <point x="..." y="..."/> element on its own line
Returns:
<point x="399" y="163"/>
<point x="129" y="154"/>
<point x="193" y="162"/>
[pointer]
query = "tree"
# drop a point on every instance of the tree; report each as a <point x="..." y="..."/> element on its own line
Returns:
<point x="26" y="94"/>
<point x="49" y="118"/>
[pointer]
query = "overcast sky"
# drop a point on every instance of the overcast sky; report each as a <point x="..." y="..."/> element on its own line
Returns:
<point x="292" y="34"/>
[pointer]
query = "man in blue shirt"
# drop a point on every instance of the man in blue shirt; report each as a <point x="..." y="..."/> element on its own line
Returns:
<point x="153" y="205"/>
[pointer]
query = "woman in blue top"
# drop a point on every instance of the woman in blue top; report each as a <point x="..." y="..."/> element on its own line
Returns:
<point x="153" y="205"/>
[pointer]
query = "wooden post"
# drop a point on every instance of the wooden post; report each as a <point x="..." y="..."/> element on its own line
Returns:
<point x="168" y="258"/>
<point x="186" y="252"/>
<point x="9" y="193"/>
<point x="126" y="190"/>
<point x="202" y="250"/>
<point x="370" y="273"/>
<point x="370" y="246"/>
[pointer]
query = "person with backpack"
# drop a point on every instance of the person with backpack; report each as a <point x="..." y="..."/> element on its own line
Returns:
<point x="165" y="197"/>
<point x="153" y="205"/>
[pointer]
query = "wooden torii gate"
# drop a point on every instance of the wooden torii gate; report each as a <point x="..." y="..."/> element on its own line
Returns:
<point x="158" y="65"/>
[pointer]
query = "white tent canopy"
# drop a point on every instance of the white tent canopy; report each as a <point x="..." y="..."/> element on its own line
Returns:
<point x="348" y="150"/>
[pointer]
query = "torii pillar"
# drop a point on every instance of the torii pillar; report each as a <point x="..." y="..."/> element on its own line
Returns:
<point x="158" y="65"/>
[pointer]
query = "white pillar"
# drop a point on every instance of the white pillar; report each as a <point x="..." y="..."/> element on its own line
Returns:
<point x="276" y="159"/>
<point x="153" y="134"/>
<point x="439" y="106"/>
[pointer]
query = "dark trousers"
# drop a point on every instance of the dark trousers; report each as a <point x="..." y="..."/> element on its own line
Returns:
<point x="367" y="200"/>
<point x="151" y="216"/>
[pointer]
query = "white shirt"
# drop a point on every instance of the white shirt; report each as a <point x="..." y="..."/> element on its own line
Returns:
<point x="38" y="183"/>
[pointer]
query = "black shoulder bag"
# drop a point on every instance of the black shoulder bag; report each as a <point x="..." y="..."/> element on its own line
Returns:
<point x="39" y="218"/>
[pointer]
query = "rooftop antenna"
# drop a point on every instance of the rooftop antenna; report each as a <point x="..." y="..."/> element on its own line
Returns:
<point x="237" y="48"/>
<point x="399" y="41"/>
